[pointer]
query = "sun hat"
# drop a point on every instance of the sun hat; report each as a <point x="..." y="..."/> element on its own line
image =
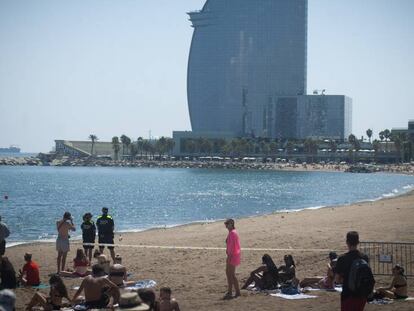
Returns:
<point x="131" y="301"/>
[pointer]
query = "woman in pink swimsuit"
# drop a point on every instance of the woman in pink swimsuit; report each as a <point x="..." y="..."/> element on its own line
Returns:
<point x="233" y="252"/>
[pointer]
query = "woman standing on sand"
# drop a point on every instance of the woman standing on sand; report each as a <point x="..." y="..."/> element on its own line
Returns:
<point x="233" y="252"/>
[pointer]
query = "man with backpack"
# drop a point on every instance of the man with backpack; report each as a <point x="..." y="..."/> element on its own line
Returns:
<point x="353" y="271"/>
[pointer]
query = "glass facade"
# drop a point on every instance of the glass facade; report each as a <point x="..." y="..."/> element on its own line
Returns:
<point x="244" y="54"/>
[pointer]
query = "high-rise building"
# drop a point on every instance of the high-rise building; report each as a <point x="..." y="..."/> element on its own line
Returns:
<point x="243" y="54"/>
<point x="247" y="74"/>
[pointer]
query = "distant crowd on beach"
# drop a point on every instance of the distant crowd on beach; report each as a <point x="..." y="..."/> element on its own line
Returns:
<point x="105" y="281"/>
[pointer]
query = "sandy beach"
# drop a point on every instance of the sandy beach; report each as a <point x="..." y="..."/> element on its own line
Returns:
<point x="191" y="259"/>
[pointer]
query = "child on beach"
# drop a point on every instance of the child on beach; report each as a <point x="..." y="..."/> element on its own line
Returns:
<point x="80" y="264"/>
<point x="165" y="302"/>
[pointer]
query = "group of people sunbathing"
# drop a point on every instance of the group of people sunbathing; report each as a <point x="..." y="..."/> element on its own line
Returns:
<point x="101" y="285"/>
<point x="268" y="276"/>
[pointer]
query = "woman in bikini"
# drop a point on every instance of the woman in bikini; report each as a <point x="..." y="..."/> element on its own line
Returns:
<point x="327" y="282"/>
<point x="398" y="286"/>
<point x="57" y="292"/>
<point x="264" y="277"/>
<point x="80" y="264"/>
<point x="287" y="272"/>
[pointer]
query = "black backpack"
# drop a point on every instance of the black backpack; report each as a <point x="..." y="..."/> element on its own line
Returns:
<point x="361" y="280"/>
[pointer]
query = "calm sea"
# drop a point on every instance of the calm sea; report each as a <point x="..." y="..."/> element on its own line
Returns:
<point x="140" y="198"/>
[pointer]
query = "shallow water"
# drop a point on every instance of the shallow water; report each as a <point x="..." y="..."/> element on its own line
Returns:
<point x="141" y="198"/>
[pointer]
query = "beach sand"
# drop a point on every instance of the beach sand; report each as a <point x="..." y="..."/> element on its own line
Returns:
<point x="197" y="277"/>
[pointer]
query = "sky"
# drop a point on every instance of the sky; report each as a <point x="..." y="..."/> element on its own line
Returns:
<point x="69" y="69"/>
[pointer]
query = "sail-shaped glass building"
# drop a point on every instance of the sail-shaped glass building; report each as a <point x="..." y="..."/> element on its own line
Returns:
<point x="244" y="53"/>
<point x="247" y="75"/>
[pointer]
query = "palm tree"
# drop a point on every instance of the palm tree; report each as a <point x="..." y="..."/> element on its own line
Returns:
<point x="140" y="144"/>
<point x="400" y="142"/>
<point x="387" y="135"/>
<point x="369" y="134"/>
<point x="352" y="140"/>
<point x="126" y="141"/>
<point x="381" y="135"/>
<point x="116" y="146"/>
<point x="93" y="139"/>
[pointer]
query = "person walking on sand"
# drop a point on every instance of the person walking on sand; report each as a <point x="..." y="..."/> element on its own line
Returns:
<point x="4" y="233"/>
<point x="106" y="227"/>
<point x="62" y="242"/>
<point x="347" y="273"/>
<point x="233" y="252"/>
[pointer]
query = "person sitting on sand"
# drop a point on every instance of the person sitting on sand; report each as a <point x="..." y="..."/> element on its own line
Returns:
<point x="147" y="295"/>
<point x="118" y="273"/>
<point x="264" y="277"/>
<point x="103" y="261"/>
<point x="99" y="291"/>
<point x="7" y="274"/>
<point x="287" y="272"/>
<point x="80" y="264"/>
<point x="327" y="282"/>
<point x="397" y="288"/>
<point x="165" y="302"/>
<point x="57" y="292"/>
<point x="30" y="275"/>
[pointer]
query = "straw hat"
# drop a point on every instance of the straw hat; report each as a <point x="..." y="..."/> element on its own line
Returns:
<point x="131" y="301"/>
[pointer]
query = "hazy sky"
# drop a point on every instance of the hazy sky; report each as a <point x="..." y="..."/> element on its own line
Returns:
<point x="72" y="68"/>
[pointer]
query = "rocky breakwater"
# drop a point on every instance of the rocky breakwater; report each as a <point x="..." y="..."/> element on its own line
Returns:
<point x="15" y="161"/>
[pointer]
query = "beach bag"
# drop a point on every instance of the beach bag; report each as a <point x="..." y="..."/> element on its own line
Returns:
<point x="288" y="288"/>
<point x="361" y="280"/>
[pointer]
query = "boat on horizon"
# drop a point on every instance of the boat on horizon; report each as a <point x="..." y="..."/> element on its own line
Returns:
<point x="11" y="149"/>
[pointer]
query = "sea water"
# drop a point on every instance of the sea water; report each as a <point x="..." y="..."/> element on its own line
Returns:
<point x="143" y="198"/>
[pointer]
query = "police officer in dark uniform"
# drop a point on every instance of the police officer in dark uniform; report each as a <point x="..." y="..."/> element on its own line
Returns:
<point x="106" y="227"/>
<point x="88" y="234"/>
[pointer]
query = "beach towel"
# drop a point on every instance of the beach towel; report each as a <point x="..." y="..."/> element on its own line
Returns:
<point x="380" y="301"/>
<point x="40" y="286"/>
<point x="293" y="297"/>
<point x="254" y="289"/>
<point x="142" y="284"/>
<point x="311" y="289"/>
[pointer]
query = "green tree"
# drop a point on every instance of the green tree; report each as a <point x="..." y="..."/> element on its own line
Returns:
<point x="387" y="135"/>
<point x="369" y="134"/>
<point x="140" y="144"/>
<point x="116" y="147"/>
<point x="93" y="139"/>
<point x="400" y="141"/>
<point x="352" y="140"/>
<point x="123" y="141"/>
<point x="289" y="147"/>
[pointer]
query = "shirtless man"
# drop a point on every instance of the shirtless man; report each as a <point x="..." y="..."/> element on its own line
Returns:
<point x="166" y="303"/>
<point x="118" y="273"/>
<point x="99" y="291"/>
<point x="63" y="227"/>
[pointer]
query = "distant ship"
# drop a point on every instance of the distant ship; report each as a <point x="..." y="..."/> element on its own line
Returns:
<point x="11" y="149"/>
